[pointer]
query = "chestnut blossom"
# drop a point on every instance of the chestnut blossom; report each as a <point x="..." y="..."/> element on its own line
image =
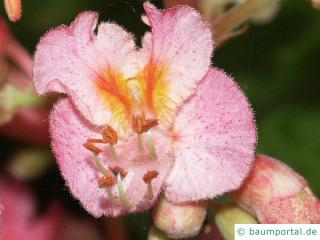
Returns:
<point x="139" y="121"/>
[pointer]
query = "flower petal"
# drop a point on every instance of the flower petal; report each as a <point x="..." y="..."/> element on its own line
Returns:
<point x="214" y="141"/>
<point x="70" y="131"/>
<point x="19" y="219"/>
<point x="180" y="56"/>
<point x="90" y="69"/>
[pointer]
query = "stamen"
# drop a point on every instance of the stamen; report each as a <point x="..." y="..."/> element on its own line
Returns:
<point x="100" y="166"/>
<point x="110" y="135"/>
<point x="151" y="146"/>
<point x="94" y="140"/>
<point x="147" y="178"/>
<point x="118" y="170"/>
<point x="114" y="154"/>
<point x="139" y="142"/>
<point x="91" y="147"/>
<point x="150" y="175"/>
<point x="140" y="124"/>
<point x="108" y="182"/>
<point x="122" y="194"/>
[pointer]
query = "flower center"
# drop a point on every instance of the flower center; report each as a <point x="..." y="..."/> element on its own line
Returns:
<point x="113" y="176"/>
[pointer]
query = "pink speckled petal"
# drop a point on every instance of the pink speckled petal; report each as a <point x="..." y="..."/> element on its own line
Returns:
<point x="214" y="141"/>
<point x="181" y="51"/>
<point x="70" y="130"/>
<point x="73" y="60"/>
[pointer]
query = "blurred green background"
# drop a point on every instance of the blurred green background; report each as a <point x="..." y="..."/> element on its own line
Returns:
<point x="276" y="64"/>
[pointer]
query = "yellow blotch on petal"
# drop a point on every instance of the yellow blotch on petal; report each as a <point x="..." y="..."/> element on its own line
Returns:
<point x="156" y="88"/>
<point x="113" y="87"/>
<point x="146" y="93"/>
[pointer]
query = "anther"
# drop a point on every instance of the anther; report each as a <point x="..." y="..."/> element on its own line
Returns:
<point x="118" y="170"/>
<point x="140" y="124"/>
<point x="108" y="182"/>
<point x="94" y="140"/>
<point x="110" y="135"/>
<point x="147" y="178"/>
<point x="91" y="147"/>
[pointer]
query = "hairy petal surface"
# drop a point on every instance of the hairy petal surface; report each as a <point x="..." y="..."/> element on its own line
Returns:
<point x="214" y="141"/>
<point x="89" y="68"/>
<point x="180" y="49"/>
<point x="70" y="131"/>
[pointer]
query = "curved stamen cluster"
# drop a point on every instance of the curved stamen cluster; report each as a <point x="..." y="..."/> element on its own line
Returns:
<point x="140" y="124"/>
<point x="113" y="176"/>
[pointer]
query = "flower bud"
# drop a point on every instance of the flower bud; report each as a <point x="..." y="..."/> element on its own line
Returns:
<point x="13" y="9"/>
<point x="179" y="220"/>
<point x="316" y="4"/>
<point x="267" y="12"/>
<point x="276" y="194"/>
<point x="228" y="216"/>
<point x="13" y="98"/>
<point x="30" y="163"/>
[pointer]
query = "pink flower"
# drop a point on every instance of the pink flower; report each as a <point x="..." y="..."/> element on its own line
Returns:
<point x="151" y="119"/>
<point x="276" y="194"/>
<point x="19" y="220"/>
